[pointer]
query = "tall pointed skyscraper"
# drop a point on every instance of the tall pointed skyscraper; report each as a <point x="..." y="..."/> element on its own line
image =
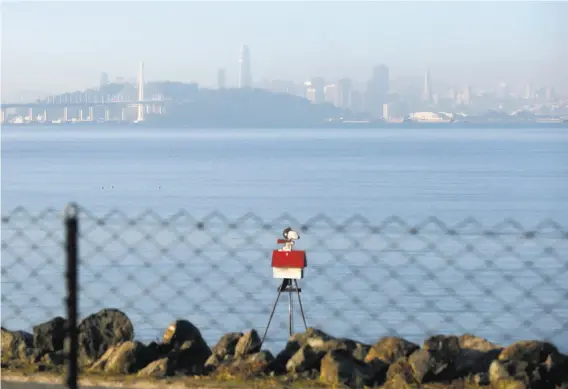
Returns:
<point x="427" y="92"/>
<point x="245" y="78"/>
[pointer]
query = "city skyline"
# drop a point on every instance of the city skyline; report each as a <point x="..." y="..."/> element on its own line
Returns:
<point x="519" y="43"/>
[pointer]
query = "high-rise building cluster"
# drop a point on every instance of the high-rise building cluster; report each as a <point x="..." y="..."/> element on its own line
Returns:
<point x="376" y="97"/>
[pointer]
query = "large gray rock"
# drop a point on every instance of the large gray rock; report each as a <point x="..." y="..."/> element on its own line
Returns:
<point x="226" y="345"/>
<point x="321" y="344"/>
<point x="248" y="343"/>
<point x="189" y="351"/>
<point x="295" y="342"/>
<point x="472" y="342"/>
<point x="15" y="344"/>
<point x="160" y="368"/>
<point x="476" y="356"/>
<point x="305" y="359"/>
<point x="251" y="366"/>
<point x="100" y="331"/>
<point x="191" y="356"/>
<point x="125" y="358"/>
<point x="555" y="369"/>
<point x="389" y="349"/>
<point x="531" y="351"/>
<point x="340" y="367"/>
<point x="50" y="336"/>
<point x="508" y="370"/>
<point x="435" y="361"/>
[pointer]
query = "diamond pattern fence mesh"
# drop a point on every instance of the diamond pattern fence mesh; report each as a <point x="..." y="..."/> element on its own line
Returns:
<point x="365" y="278"/>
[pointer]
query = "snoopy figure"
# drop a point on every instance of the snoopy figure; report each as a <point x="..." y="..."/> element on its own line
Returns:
<point x="290" y="236"/>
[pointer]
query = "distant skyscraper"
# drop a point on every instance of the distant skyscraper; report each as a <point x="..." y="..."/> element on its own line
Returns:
<point x="528" y="94"/>
<point x="381" y="77"/>
<point x="356" y="101"/>
<point x="245" y="78"/>
<point x="377" y="90"/>
<point x="344" y="92"/>
<point x="104" y="79"/>
<point x="141" y="83"/>
<point x="331" y="93"/>
<point x="427" y="91"/>
<point x="318" y="84"/>
<point x="467" y="96"/>
<point x="221" y="79"/>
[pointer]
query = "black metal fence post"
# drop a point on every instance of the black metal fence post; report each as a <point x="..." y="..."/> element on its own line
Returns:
<point x="72" y="252"/>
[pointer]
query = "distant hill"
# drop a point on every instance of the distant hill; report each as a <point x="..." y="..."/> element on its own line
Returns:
<point x="250" y="108"/>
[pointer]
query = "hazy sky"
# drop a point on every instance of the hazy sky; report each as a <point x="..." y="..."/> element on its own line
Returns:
<point x="63" y="46"/>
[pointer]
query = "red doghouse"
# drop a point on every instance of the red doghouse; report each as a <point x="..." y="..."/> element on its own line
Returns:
<point x="288" y="263"/>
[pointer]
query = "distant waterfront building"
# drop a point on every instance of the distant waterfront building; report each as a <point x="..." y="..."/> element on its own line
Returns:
<point x="311" y="94"/>
<point x="377" y="90"/>
<point x="427" y="90"/>
<point x="386" y="115"/>
<point x="466" y="98"/>
<point x="356" y="101"/>
<point x="104" y="79"/>
<point x="528" y="94"/>
<point x="502" y="90"/>
<point x="344" y="93"/>
<point x="331" y="93"/>
<point x="221" y="79"/>
<point x="431" y="117"/>
<point x="245" y="77"/>
<point x="318" y="84"/>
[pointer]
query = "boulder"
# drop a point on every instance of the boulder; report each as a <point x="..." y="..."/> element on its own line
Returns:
<point x="55" y="358"/>
<point x="188" y="350"/>
<point x="444" y="347"/>
<point x="428" y="367"/>
<point x="50" y="336"/>
<point x="125" y="358"/>
<point x="514" y="370"/>
<point x="340" y="367"/>
<point x="531" y="351"/>
<point x="214" y="361"/>
<point x="226" y="345"/>
<point x="476" y="355"/>
<point x="435" y="361"/>
<point x="555" y="368"/>
<point x="248" y="343"/>
<point x="358" y="350"/>
<point x="100" y="331"/>
<point x="182" y="331"/>
<point x="15" y="344"/>
<point x="158" y="369"/>
<point x="399" y="372"/>
<point x="389" y="349"/>
<point x="250" y="366"/>
<point x="190" y="358"/>
<point x="305" y="359"/>
<point x="312" y="336"/>
<point x="471" y="342"/>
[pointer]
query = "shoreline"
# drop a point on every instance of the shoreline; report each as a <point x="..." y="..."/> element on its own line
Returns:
<point x="325" y="126"/>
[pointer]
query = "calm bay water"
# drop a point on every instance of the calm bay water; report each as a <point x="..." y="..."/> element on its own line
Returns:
<point x="490" y="175"/>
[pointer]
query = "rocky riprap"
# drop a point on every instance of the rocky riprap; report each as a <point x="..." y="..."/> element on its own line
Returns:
<point x="107" y="345"/>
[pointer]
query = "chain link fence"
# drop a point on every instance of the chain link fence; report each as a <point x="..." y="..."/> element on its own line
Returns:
<point x="365" y="278"/>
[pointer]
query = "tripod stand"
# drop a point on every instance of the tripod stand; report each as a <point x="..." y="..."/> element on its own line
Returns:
<point x="287" y="287"/>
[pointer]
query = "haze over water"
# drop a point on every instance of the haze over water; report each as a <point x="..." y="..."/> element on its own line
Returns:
<point x="489" y="175"/>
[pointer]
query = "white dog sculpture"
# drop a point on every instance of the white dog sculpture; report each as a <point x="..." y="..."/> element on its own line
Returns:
<point x="290" y="235"/>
